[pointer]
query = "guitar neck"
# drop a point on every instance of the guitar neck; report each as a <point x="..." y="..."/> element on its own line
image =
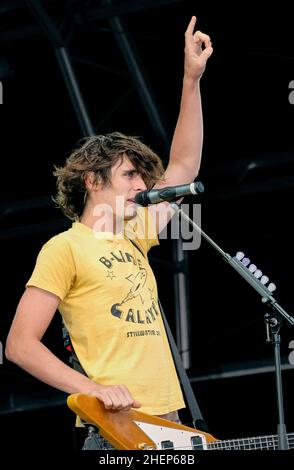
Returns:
<point x="251" y="443"/>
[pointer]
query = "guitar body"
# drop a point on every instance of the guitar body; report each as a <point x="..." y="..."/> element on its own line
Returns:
<point x="134" y="430"/>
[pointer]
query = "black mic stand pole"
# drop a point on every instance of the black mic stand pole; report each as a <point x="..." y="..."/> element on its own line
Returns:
<point x="273" y="320"/>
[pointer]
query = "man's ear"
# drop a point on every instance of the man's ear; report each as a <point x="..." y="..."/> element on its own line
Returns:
<point x="92" y="181"/>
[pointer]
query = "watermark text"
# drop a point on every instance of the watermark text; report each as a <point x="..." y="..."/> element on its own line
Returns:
<point x="136" y="222"/>
<point x="1" y="352"/>
<point x="291" y="355"/>
<point x="291" y="94"/>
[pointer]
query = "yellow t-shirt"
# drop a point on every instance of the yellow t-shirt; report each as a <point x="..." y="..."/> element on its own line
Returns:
<point x="109" y="305"/>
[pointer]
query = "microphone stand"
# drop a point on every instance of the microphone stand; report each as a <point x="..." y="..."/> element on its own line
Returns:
<point x="272" y="320"/>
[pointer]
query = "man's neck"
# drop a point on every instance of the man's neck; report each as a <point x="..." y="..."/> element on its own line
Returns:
<point x="101" y="223"/>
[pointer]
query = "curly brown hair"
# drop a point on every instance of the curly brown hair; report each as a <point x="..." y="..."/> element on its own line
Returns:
<point x="99" y="154"/>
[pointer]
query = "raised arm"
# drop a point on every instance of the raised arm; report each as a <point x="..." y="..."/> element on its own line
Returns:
<point x="186" y="147"/>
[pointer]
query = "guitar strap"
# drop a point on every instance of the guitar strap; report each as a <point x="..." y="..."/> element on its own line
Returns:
<point x="196" y="414"/>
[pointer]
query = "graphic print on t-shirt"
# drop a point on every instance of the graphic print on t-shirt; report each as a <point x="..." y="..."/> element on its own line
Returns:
<point x="138" y="282"/>
<point x="138" y="303"/>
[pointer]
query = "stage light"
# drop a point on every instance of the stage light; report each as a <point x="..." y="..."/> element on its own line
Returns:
<point x="252" y="268"/>
<point x="240" y="255"/>
<point x="264" y="279"/>
<point x="258" y="273"/>
<point x="245" y="261"/>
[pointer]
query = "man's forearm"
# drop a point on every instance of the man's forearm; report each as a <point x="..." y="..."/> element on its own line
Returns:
<point x="186" y="148"/>
<point x="36" y="359"/>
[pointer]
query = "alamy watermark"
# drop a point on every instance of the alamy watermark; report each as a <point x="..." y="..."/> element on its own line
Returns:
<point x="291" y="94"/>
<point x="1" y="92"/>
<point x="291" y="355"/>
<point x="1" y="352"/>
<point x="142" y="223"/>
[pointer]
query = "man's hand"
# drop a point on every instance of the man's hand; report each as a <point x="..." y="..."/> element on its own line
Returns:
<point x="115" y="397"/>
<point x="197" y="50"/>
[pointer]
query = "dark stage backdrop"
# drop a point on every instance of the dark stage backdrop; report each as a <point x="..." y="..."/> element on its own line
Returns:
<point x="247" y="170"/>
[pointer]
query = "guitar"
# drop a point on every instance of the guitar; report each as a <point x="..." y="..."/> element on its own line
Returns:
<point x="134" y="430"/>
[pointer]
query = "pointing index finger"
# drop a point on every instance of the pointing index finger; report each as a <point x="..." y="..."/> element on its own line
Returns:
<point x="191" y="25"/>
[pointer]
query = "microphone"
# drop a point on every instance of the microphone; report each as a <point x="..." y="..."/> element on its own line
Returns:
<point x="170" y="193"/>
